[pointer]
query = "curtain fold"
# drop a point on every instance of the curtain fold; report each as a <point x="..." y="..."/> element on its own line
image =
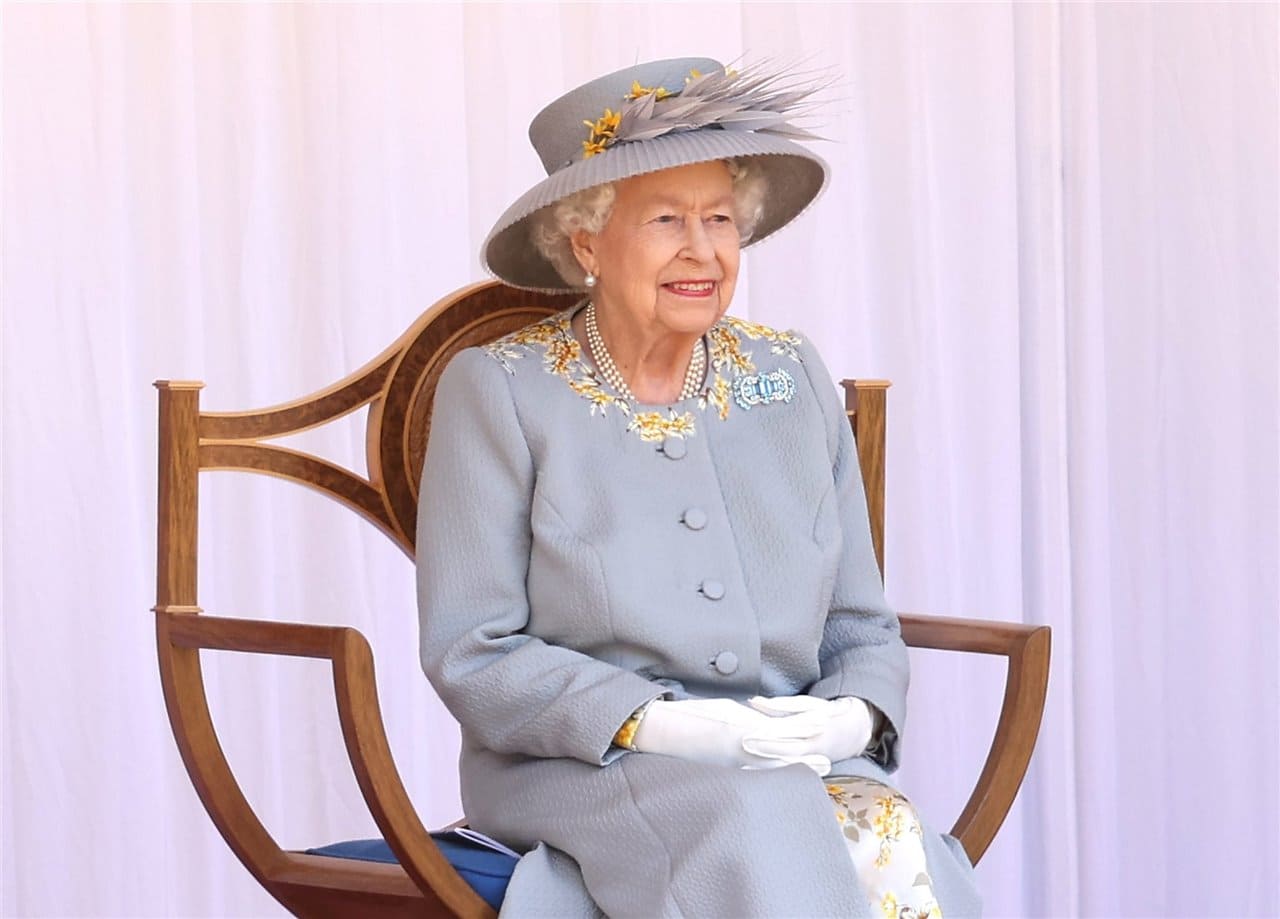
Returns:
<point x="1053" y="226"/>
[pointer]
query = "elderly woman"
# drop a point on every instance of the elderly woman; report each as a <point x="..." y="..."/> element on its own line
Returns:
<point x="646" y="581"/>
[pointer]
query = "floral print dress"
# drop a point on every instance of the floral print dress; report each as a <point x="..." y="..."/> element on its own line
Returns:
<point x="886" y="842"/>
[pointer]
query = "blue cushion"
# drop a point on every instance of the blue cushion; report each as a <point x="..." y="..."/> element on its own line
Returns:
<point x="486" y="870"/>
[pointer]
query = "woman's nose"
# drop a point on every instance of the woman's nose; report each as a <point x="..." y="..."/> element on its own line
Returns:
<point x="697" y="244"/>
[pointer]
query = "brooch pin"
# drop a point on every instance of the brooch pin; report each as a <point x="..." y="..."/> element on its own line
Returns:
<point x="762" y="388"/>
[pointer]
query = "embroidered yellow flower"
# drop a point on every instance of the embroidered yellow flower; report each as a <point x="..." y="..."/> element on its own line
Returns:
<point x="562" y="356"/>
<point x="539" y="333"/>
<point x="654" y="426"/>
<point x="754" y="329"/>
<point x="726" y="351"/>
<point x="889" y="906"/>
<point x="718" y="395"/>
<point x="590" y="390"/>
<point x="561" y="349"/>
<point x="779" y="342"/>
<point x="503" y="352"/>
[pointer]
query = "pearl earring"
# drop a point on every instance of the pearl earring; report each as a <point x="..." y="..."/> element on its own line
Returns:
<point x="589" y="281"/>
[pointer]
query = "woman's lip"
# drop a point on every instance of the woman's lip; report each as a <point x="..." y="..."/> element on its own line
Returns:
<point x="691" y="288"/>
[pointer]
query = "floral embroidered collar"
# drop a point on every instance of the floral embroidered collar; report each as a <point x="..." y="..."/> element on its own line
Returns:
<point x="731" y="376"/>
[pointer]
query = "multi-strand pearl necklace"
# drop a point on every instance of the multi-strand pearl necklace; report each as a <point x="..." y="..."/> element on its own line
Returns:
<point x="609" y="370"/>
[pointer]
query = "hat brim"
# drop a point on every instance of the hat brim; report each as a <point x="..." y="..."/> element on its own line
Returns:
<point x="794" y="177"/>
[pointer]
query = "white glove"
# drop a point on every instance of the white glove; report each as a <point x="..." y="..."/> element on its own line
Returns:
<point x="712" y="731"/>
<point x="841" y="728"/>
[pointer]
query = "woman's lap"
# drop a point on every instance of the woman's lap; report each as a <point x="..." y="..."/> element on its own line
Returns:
<point x="657" y="836"/>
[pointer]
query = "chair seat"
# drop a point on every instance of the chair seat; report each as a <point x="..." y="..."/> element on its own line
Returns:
<point x="486" y="870"/>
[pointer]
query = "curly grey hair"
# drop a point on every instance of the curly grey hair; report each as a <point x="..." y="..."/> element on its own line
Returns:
<point x="589" y="209"/>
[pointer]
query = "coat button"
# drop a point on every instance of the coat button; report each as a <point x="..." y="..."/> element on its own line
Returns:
<point x="695" y="518"/>
<point x="712" y="590"/>
<point x="675" y="447"/>
<point x="726" y="663"/>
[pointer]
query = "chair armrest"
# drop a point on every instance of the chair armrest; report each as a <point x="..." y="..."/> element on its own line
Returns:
<point x="182" y="636"/>
<point x="1026" y="684"/>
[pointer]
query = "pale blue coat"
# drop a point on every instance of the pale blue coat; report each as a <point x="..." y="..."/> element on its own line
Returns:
<point x="576" y="560"/>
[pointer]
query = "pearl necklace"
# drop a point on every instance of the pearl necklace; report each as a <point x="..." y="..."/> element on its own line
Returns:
<point x="609" y="370"/>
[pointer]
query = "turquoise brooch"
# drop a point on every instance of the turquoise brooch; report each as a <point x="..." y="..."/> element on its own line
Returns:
<point x="753" y="389"/>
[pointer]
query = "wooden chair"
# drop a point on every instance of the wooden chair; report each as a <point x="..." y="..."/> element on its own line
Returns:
<point x="398" y="386"/>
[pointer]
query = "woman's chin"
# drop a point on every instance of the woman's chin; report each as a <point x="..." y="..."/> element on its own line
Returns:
<point x="693" y="314"/>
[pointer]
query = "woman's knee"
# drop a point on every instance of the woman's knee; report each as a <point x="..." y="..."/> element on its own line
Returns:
<point x="746" y="806"/>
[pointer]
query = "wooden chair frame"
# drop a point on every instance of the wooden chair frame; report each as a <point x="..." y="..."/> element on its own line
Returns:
<point x="398" y="386"/>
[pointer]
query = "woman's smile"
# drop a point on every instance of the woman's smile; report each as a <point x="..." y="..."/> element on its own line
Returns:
<point x="695" y="289"/>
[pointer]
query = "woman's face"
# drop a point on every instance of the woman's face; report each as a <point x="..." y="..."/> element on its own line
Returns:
<point x="667" y="259"/>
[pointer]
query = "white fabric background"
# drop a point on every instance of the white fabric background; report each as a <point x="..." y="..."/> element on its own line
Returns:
<point x="1053" y="226"/>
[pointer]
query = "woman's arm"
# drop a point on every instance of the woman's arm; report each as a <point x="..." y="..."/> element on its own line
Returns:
<point x="862" y="652"/>
<point x="513" y="692"/>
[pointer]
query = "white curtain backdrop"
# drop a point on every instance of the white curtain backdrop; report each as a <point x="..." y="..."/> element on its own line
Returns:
<point x="1052" y="225"/>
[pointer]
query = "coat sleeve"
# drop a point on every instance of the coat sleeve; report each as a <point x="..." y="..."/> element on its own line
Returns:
<point x="511" y="691"/>
<point x="862" y="652"/>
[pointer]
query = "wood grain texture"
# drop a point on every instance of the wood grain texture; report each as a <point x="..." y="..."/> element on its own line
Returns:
<point x="338" y="483"/>
<point x="319" y="408"/>
<point x="437" y="888"/>
<point x="398" y="386"/>
<point x="864" y="403"/>
<point x="1027" y="648"/>
<point x="379" y="780"/>
<point x="187" y="704"/>
<point x="177" y="514"/>
<point x="400" y="421"/>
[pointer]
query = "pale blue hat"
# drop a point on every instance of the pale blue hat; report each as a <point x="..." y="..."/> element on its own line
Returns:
<point x="666" y="114"/>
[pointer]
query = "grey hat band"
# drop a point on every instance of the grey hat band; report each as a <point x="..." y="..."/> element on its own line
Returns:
<point x="794" y="176"/>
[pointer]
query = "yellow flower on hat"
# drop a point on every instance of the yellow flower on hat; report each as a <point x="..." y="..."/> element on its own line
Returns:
<point x="607" y="123"/>
<point x="638" y="91"/>
<point x="603" y="130"/>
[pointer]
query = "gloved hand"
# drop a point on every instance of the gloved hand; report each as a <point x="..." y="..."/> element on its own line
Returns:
<point x="712" y="731"/>
<point x="840" y="728"/>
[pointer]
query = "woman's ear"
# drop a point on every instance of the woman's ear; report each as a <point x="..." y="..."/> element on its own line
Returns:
<point x="584" y="250"/>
